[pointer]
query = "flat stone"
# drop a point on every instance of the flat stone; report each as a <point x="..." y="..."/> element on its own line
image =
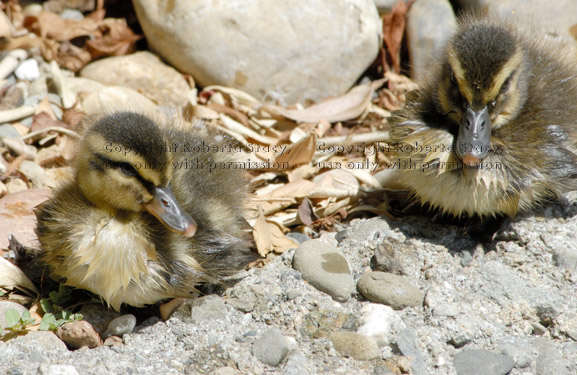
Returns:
<point x="429" y="25"/>
<point x="143" y="72"/>
<point x="389" y="289"/>
<point x="550" y="360"/>
<point x="44" y="341"/>
<point x="355" y="345"/>
<point x="271" y="348"/>
<point x="408" y="344"/>
<point x="120" y="326"/>
<point x="202" y="309"/>
<point x="482" y="362"/>
<point x="261" y="47"/>
<point x="324" y="268"/>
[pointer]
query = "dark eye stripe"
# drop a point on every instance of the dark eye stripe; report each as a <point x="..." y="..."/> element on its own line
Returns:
<point x="126" y="169"/>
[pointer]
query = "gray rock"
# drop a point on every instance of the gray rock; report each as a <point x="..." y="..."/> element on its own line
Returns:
<point x="260" y="48"/>
<point x="550" y="360"/>
<point x="201" y="309"/>
<point x="324" y="268"/>
<point x="355" y="345"/>
<point x="7" y="305"/>
<point x="370" y="230"/>
<point x="482" y="362"/>
<point x="120" y="326"/>
<point x="165" y="86"/>
<point x="271" y="348"/>
<point x="296" y="365"/>
<point x="57" y="370"/>
<point x="298" y="237"/>
<point x="429" y="25"/>
<point x="389" y="289"/>
<point x="408" y="344"/>
<point x="44" y="341"/>
<point x="380" y="323"/>
<point x="518" y="349"/>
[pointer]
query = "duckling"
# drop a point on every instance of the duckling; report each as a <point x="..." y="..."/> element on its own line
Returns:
<point x="493" y="132"/>
<point x="149" y="213"/>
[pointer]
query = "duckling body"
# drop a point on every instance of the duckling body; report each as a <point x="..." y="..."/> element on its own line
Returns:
<point x="494" y="131"/>
<point x="144" y="219"/>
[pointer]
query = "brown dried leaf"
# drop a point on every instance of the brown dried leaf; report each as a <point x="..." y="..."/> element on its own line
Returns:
<point x="393" y="31"/>
<point x="306" y="212"/>
<point x="117" y="39"/>
<point x="280" y="242"/>
<point x="347" y="107"/>
<point x="262" y="235"/>
<point x="301" y="152"/>
<point x="17" y="216"/>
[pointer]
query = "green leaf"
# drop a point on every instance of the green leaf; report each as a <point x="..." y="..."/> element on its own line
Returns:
<point x="54" y="296"/>
<point x="12" y="318"/>
<point x="46" y="305"/>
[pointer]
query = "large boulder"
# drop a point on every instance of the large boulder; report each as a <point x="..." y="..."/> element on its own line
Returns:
<point x="285" y="50"/>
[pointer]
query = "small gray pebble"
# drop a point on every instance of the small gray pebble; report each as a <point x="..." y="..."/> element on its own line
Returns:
<point x="324" y="268"/>
<point x="550" y="359"/>
<point x="342" y="235"/>
<point x="482" y="362"/>
<point x="271" y="348"/>
<point x="120" y="326"/>
<point x="298" y="237"/>
<point x="294" y="293"/>
<point x="466" y="258"/>
<point x="296" y="365"/>
<point x="389" y="289"/>
<point x="407" y="342"/>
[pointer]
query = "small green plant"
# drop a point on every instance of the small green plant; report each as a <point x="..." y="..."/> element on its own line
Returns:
<point x="54" y="314"/>
<point x="16" y="324"/>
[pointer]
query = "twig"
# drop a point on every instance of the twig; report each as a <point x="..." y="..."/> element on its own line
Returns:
<point x="59" y="129"/>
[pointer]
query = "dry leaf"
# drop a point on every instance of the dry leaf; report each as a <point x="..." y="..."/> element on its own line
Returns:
<point x="11" y="277"/>
<point x="393" y="31"/>
<point x="17" y="216"/>
<point x="299" y="153"/>
<point x="116" y="39"/>
<point x="262" y="236"/>
<point x="306" y="213"/>
<point x="347" y="107"/>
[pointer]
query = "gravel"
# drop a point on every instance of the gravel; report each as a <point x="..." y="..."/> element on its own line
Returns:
<point x="478" y="316"/>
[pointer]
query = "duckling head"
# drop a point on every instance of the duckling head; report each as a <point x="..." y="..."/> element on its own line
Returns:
<point x="481" y="87"/>
<point x="122" y="167"/>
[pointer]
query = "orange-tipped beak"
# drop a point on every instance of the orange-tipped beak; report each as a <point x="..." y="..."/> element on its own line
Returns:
<point x="165" y="208"/>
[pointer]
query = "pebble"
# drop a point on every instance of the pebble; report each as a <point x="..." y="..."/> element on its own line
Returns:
<point x="120" y="326"/>
<point x="28" y="70"/>
<point x="429" y="25"/>
<point x="254" y="43"/>
<point x="389" y="289"/>
<point x="79" y="334"/>
<point x="482" y="362"/>
<point x="271" y="348"/>
<point x="7" y="130"/>
<point x="550" y="360"/>
<point x="355" y="345"/>
<point x="370" y="230"/>
<point x="201" y="309"/>
<point x="166" y="86"/>
<point x="57" y="370"/>
<point x="381" y="323"/>
<point x="298" y="237"/>
<point x="324" y="268"/>
<point x="296" y="365"/>
<point x="518" y="349"/>
<point x="43" y="341"/>
<point x="408" y="344"/>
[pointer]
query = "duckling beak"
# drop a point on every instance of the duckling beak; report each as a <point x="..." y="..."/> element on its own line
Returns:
<point x="474" y="139"/>
<point x="165" y="208"/>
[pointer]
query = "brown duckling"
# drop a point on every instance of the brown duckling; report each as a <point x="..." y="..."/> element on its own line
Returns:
<point x="145" y="217"/>
<point x="494" y="131"/>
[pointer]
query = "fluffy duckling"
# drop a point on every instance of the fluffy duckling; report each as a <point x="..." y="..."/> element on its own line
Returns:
<point x="145" y="218"/>
<point x="494" y="131"/>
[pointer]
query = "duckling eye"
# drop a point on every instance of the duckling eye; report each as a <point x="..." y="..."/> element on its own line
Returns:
<point x="506" y="85"/>
<point x="127" y="169"/>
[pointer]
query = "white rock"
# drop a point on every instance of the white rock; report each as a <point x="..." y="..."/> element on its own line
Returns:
<point x="381" y="323"/>
<point x="288" y="50"/>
